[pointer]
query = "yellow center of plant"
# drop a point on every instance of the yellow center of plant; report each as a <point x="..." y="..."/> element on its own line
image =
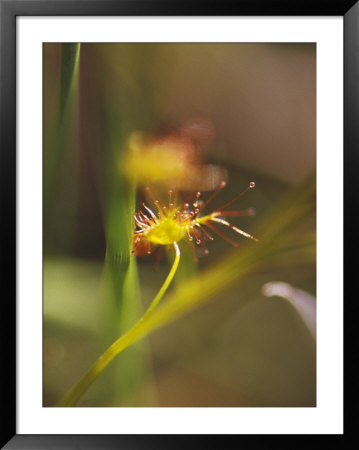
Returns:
<point x="172" y="223"/>
<point x="167" y="231"/>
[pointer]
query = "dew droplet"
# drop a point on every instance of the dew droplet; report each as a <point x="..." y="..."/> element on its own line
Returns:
<point x="222" y="184"/>
<point x="252" y="184"/>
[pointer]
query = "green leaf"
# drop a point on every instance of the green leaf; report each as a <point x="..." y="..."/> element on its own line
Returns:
<point x="62" y="130"/>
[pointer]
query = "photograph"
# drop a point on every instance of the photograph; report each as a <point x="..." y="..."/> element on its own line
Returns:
<point x="179" y="224"/>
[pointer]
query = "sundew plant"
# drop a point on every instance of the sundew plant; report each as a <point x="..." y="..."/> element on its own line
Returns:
<point x="179" y="225"/>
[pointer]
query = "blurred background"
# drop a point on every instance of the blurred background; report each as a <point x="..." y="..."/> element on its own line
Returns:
<point x="243" y="112"/>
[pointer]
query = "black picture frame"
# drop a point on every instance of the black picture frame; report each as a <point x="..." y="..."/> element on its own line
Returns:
<point x="9" y="10"/>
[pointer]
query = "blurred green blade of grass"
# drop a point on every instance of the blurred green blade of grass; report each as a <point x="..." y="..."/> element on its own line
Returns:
<point x="62" y="129"/>
<point x="119" y="119"/>
<point x="133" y="367"/>
<point x="69" y="70"/>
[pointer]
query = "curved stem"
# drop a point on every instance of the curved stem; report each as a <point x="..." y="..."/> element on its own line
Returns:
<point x="120" y="344"/>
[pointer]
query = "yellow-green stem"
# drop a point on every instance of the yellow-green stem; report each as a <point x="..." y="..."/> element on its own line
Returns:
<point x="120" y="344"/>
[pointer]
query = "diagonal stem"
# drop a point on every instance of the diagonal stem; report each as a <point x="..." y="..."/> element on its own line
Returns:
<point x="124" y="341"/>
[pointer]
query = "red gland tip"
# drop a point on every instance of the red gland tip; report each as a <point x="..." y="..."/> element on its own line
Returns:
<point x="252" y="184"/>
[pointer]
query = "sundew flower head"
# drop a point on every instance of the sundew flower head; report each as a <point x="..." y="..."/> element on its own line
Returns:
<point x="168" y="224"/>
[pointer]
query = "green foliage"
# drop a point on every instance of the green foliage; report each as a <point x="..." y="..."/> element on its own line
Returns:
<point x="62" y="129"/>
